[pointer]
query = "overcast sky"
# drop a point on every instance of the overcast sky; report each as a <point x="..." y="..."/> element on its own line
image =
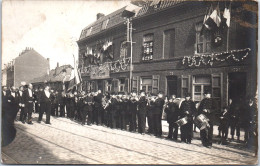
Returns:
<point x="50" y="27"/>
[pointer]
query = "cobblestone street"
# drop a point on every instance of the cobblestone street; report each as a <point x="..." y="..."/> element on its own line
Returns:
<point x="67" y="142"/>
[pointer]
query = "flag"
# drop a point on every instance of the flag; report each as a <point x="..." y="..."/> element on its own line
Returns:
<point x="107" y="45"/>
<point x="75" y="77"/>
<point x="227" y="16"/>
<point x="214" y="19"/>
<point x="130" y="10"/>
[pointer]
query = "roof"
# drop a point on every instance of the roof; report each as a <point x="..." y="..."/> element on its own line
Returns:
<point x="55" y="75"/>
<point x="116" y="18"/>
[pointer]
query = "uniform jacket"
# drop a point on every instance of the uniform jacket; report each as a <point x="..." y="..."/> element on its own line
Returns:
<point x="158" y="106"/>
<point x="172" y="112"/>
<point x="142" y="105"/>
<point x="207" y="103"/>
<point x="187" y="108"/>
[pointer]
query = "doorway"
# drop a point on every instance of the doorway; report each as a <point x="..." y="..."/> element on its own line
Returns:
<point x="171" y="85"/>
<point x="237" y="85"/>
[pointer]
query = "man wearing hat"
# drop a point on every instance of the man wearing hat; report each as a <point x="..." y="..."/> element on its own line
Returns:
<point x="133" y="111"/>
<point x="28" y="101"/>
<point x="206" y="108"/>
<point x="157" y="114"/>
<point x="45" y="105"/>
<point x="187" y="110"/>
<point x="142" y="110"/>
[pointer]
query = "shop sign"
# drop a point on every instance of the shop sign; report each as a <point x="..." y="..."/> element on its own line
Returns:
<point x="99" y="72"/>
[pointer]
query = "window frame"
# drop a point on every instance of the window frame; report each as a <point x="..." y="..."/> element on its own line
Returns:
<point x="206" y="39"/>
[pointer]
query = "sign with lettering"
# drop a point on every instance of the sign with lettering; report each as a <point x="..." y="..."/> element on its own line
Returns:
<point x="100" y="72"/>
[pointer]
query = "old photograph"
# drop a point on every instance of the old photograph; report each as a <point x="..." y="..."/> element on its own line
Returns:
<point x="150" y="82"/>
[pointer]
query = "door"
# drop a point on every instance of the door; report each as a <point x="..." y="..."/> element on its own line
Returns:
<point x="237" y="85"/>
<point x="171" y="85"/>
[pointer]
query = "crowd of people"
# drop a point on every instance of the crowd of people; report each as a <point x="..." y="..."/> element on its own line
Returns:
<point x="130" y="112"/>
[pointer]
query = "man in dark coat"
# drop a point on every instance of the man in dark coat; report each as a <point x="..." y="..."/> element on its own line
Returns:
<point x="89" y="101"/>
<point x="21" y="104"/>
<point x="172" y="111"/>
<point x="45" y="103"/>
<point x="28" y="101"/>
<point x="61" y="103"/>
<point x="4" y="99"/>
<point x="124" y="111"/>
<point x="98" y="108"/>
<point x="113" y="111"/>
<point x="187" y="110"/>
<point x="235" y="117"/>
<point x="157" y="115"/>
<point x="12" y="103"/>
<point x="133" y="110"/>
<point x="207" y="108"/>
<point x="142" y="111"/>
<point x="35" y="100"/>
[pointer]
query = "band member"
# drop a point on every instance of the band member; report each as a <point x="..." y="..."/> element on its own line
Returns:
<point x="80" y="107"/>
<point x="74" y="103"/>
<point x="71" y="105"/>
<point x="99" y="113"/>
<point x="207" y="108"/>
<point x="112" y="109"/>
<point x="187" y="109"/>
<point x="28" y="101"/>
<point x="21" y="104"/>
<point x="157" y="115"/>
<point x="142" y="111"/>
<point x="223" y="127"/>
<point x="124" y="112"/>
<point x="119" y="110"/>
<point x="45" y="104"/>
<point x="105" y="103"/>
<point x="173" y="113"/>
<point x="133" y="110"/>
<point x="150" y="110"/>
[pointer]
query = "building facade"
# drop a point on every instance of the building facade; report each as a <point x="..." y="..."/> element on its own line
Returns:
<point x="173" y="52"/>
<point x="27" y="66"/>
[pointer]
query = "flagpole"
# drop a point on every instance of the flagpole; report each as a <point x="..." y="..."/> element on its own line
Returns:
<point x="228" y="27"/>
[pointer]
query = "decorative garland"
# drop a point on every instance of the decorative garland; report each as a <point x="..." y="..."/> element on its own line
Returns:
<point x="208" y="59"/>
<point x="116" y="66"/>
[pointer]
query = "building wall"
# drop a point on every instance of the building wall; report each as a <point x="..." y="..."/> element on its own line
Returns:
<point x="4" y="77"/>
<point x="28" y="66"/>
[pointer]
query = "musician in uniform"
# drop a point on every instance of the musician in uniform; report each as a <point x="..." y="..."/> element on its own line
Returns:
<point x="119" y="108"/>
<point x="124" y="111"/>
<point x="105" y="100"/>
<point x="173" y="112"/>
<point x="157" y="114"/>
<point x="61" y="98"/>
<point x="45" y="104"/>
<point x="99" y="109"/>
<point x="207" y="108"/>
<point x="142" y="110"/>
<point x="133" y="111"/>
<point x="21" y="104"/>
<point x="89" y="101"/>
<point x="80" y="106"/>
<point x="150" y="110"/>
<point x="187" y="110"/>
<point x="113" y="107"/>
<point x="28" y="101"/>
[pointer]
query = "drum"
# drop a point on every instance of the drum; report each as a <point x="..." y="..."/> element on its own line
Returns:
<point x="201" y="121"/>
<point x="178" y="101"/>
<point x="182" y="121"/>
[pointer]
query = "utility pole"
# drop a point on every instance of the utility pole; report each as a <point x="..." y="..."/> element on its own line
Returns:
<point x="130" y="40"/>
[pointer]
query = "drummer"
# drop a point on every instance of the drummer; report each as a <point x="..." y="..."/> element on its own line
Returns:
<point x="187" y="109"/>
<point x="206" y="108"/>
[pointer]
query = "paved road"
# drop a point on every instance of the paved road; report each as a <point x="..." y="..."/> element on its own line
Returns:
<point x="66" y="142"/>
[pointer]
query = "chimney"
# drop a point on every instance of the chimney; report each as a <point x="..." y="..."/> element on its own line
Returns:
<point x="58" y="65"/>
<point x="100" y="15"/>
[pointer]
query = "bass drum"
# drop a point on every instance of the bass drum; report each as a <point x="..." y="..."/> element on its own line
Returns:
<point x="178" y="101"/>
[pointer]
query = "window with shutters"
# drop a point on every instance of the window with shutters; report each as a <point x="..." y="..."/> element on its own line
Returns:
<point x="115" y="85"/>
<point x="169" y="43"/>
<point x="126" y="85"/>
<point x="185" y="84"/>
<point x="203" y="40"/>
<point x="108" y="85"/>
<point x="155" y="84"/>
<point x="146" y="84"/>
<point x="216" y="80"/>
<point x="148" y="43"/>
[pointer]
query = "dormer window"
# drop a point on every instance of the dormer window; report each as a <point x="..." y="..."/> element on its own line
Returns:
<point x="203" y="40"/>
<point x="104" y="24"/>
<point x="88" y="31"/>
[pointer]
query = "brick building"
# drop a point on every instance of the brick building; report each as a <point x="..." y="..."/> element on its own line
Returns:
<point x="171" y="53"/>
<point x="27" y="66"/>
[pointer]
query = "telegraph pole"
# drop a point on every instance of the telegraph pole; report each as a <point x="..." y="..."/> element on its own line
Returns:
<point x="130" y="40"/>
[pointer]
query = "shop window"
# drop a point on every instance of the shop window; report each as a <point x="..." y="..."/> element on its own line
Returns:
<point x="148" y="43"/>
<point x="169" y="43"/>
<point x="135" y="83"/>
<point x="201" y="84"/>
<point x="203" y="40"/>
<point x="155" y="84"/>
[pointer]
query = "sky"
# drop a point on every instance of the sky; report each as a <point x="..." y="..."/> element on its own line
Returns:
<point x="51" y="27"/>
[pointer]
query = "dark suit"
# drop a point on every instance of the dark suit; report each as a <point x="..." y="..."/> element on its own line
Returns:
<point x="20" y="105"/>
<point x="45" y="107"/>
<point x="12" y="104"/>
<point x="157" y="116"/>
<point x="4" y="101"/>
<point x="173" y="113"/>
<point x="28" y="101"/>
<point x="142" y="110"/>
<point x="133" y="111"/>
